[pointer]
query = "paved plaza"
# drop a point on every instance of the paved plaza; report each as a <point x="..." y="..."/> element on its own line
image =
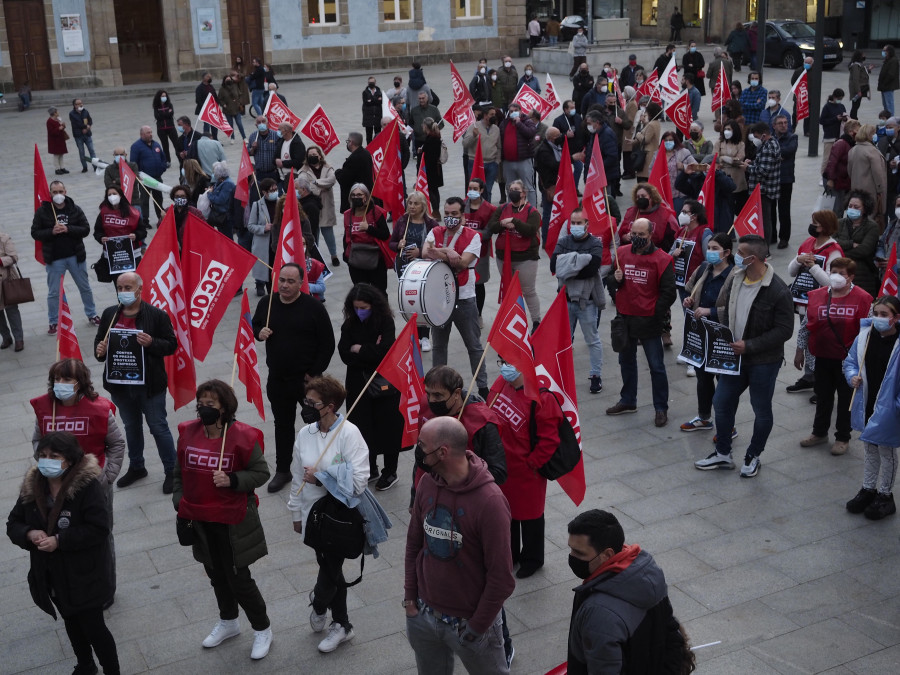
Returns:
<point x="773" y="569"/>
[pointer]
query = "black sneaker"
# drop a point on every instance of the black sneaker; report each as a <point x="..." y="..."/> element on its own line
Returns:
<point x="85" y="669"/>
<point x="800" y="385"/>
<point x="386" y="482"/>
<point x="881" y="506"/>
<point x="278" y="481"/>
<point x="168" y="483"/>
<point x="596" y="384"/>
<point x="861" y="501"/>
<point x="131" y="476"/>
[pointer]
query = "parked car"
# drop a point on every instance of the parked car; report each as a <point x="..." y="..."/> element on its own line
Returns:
<point x="569" y="26"/>
<point x="788" y="42"/>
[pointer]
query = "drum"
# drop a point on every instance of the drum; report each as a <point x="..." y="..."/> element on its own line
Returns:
<point x="428" y="288"/>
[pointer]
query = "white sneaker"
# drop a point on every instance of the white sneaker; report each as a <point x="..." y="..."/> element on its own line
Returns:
<point x="222" y="631"/>
<point x="691" y="372"/>
<point x="715" y="461"/>
<point x="336" y="635"/>
<point x="316" y="621"/>
<point x="262" y="640"/>
<point x="751" y="467"/>
<point x="425" y="344"/>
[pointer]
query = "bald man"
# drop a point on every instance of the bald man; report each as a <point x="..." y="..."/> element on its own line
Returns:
<point x="149" y="157"/>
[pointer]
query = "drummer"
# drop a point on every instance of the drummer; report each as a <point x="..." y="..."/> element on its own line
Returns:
<point x="459" y="247"/>
<point x="478" y="212"/>
<point x="408" y="240"/>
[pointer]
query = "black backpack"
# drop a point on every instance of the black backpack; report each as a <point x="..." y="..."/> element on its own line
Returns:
<point x="658" y="645"/>
<point x="335" y="528"/>
<point x="568" y="452"/>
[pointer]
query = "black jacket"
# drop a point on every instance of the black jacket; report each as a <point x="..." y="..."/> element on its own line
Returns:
<point x="547" y="166"/>
<point x="58" y="246"/>
<point x="200" y="94"/>
<point x="297" y="152"/>
<point x="79" y="571"/>
<point x="889" y="77"/>
<point x="480" y="88"/>
<point x="357" y="168"/>
<point x="371" y="107"/>
<point x="155" y="322"/>
<point x="302" y="340"/>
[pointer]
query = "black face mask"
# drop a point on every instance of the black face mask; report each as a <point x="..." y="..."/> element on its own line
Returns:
<point x="310" y="415"/>
<point x="642" y="203"/>
<point x="514" y="195"/>
<point x="357" y="202"/>
<point x="208" y="415"/>
<point x="813" y="232"/>
<point x="639" y="243"/>
<point x="419" y="457"/>
<point x="312" y="161"/>
<point x="580" y="568"/>
<point x="695" y="135"/>
<point x="439" y="408"/>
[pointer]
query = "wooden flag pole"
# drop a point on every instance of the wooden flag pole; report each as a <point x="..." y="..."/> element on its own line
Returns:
<point x="222" y="449"/>
<point x="474" y="377"/>
<point x="233" y="370"/>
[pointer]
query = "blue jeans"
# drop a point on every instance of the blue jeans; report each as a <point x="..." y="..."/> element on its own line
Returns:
<point x="553" y="39"/>
<point x="236" y="122"/>
<point x="760" y="379"/>
<point x="257" y="101"/>
<point x="490" y="176"/>
<point x="887" y="101"/>
<point x="653" y="350"/>
<point x="434" y="643"/>
<point x="328" y="235"/>
<point x="578" y="168"/>
<point x="134" y="405"/>
<point x="82" y="142"/>
<point x="56" y="270"/>
<point x="587" y="317"/>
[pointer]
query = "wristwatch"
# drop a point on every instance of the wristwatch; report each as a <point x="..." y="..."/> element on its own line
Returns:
<point x="407" y="603"/>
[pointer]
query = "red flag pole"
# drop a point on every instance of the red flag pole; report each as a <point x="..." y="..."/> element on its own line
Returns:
<point x="472" y="383"/>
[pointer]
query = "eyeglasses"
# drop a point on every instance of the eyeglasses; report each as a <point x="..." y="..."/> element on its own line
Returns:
<point x="313" y="404"/>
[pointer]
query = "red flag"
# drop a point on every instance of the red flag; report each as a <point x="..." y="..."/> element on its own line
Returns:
<point x="889" y="285"/>
<point x="212" y="114"/>
<point x="594" y="200"/>
<point x="66" y="340"/>
<point x="668" y="80"/>
<point x="650" y="88"/>
<point x="290" y="238"/>
<point x="506" y="272"/>
<point x="247" y="360"/>
<point x="41" y="194"/>
<point x="551" y="96"/>
<point x="620" y="97"/>
<point x="245" y="170"/>
<point x="478" y="162"/>
<point x="679" y="111"/>
<point x="528" y="99"/>
<point x="319" y="129"/>
<point x="721" y="92"/>
<point x="422" y="186"/>
<point x="277" y="112"/>
<point x="659" y="176"/>
<point x="461" y="116"/>
<point x="460" y="90"/>
<point x="800" y="91"/>
<point x="564" y="201"/>
<point x="160" y="269"/>
<point x="707" y="195"/>
<point x="750" y="220"/>
<point x="127" y="179"/>
<point x="509" y="336"/>
<point x="556" y="372"/>
<point x="388" y="171"/>
<point x="214" y="267"/>
<point x="402" y="367"/>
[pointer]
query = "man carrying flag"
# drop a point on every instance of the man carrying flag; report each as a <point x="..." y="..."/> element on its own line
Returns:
<point x="764" y="172"/>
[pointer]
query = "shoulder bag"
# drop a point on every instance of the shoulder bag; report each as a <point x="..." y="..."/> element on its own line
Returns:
<point x="16" y="289"/>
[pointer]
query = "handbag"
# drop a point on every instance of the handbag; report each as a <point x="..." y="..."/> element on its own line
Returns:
<point x="16" y="289"/>
<point x="101" y="269"/>
<point x="364" y="256"/>
<point x="445" y="155"/>
<point x="638" y="159"/>
<point x="184" y="528"/>
<point x="618" y="333"/>
<point x="379" y="387"/>
<point x="335" y="528"/>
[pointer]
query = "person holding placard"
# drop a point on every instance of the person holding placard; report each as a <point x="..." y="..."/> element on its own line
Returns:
<point x="121" y="232"/>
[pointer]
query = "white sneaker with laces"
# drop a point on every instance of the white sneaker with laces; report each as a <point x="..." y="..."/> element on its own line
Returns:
<point x="690" y="372"/>
<point x="222" y="631"/>
<point x="336" y="635"/>
<point x="262" y="640"/>
<point x="425" y="344"/>
<point x="715" y="461"/>
<point x="751" y="467"/>
<point x="316" y="621"/>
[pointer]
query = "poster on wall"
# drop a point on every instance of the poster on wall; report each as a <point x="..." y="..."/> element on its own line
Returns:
<point x="206" y="24"/>
<point x="72" y="36"/>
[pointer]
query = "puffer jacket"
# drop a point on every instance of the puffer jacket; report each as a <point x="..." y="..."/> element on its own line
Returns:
<point x="45" y="219"/>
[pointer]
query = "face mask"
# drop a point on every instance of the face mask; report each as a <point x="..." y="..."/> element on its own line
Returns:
<point x="363" y="314"/>
<point x="452" y="222"/>
<point x="670" y="145"/>
<point x="419" y="457"/>
<point x="402" y="107"/>
<point x="509" y="373"/>
<point x="80" y="108"/>
<point x="713" y="257"/>
<point x="739" y="261"/>
<point x="397" y="84"/>
<point x="313" y="160"/>
<point x="684" y="219"/>
<point x="591" y="128"/>
<point x="50" y="468"/>
<point x="770" y="102"/>
<point x="63" y="390"/>
<point x="507" y="64"/>
<point x="528" y="73"/>
<point x="695" y="135"/>
<point x="693" y="50"/>
<point x="357" y="202"/>
<point x="59" y="199"/>
<point x="674" y="54"/>
<point x="813" y="230"/>
<point x="473" y="194"/>
<point x="493" y="78"/>
<point x="180" y="129"/>
<point x="439" y="408"/>
<point x="837" y="281"/>
<point x="754" y="83"/>
<point x="126" y="298"/>
<point x="570" y="112"/>
<point x="113" y="200"/>
<point x="278" y="134"/>
<point x="271" y="196"/>
<point x="580" y="568"/>
<point x="639" y="242"/>
<point x="482" y="70"/>
<point x="853" y="214"/>
<point x="180" y="202"/>
<point x="261" y="128"/>
<point x="208" y="415"/>
<point x="163" y="99"/>
<point x="807" y="66"/>
<point x="577" y="231"/>
<point x="728" y="133"/>
<point x="897" y="213"/>
<point x="875" y="138"/>
<point x="881" y="323"/>
<point x="883" y="54"/>
<point x="642" y="203"/>
<point x="310" y="415"/>
<point x="890" y="131"/>
<point x="118" y="158"/>
<point x="756" y="141"/>
<point x="514" y="195"/>
<point x="514" y="115"/>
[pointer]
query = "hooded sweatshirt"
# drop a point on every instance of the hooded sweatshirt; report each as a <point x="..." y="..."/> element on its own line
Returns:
<point x="457" y="547"/>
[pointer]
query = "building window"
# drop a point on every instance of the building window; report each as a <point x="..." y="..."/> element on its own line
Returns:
<point x="469" y="9"/>
<point x="692" y="11"/>
<point x="649" y="12"/>
<point x="811" y="10"/>
<point x="322" y="12"/>
<point x="398" y="10"/>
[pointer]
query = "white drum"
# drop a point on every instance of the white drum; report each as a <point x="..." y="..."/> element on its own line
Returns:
<point x="428" y="288"/>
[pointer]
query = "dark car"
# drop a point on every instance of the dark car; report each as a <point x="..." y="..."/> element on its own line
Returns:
<point x="788" y="42"/>
<point x="569" y="26"/>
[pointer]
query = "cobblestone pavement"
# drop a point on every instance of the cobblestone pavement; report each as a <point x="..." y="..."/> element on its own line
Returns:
<point x="773" y="570"/>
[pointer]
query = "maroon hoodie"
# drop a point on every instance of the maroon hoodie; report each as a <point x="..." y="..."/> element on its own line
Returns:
<point x="458" y="557"/>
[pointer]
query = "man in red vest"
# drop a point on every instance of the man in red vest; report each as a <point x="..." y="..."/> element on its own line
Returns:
<point x="646" y="277"/>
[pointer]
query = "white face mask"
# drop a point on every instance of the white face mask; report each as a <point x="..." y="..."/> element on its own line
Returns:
<point x="756" y="141"/>
<point x="507" y="64"/>
<point x="897" y="213"/>
<point x="59" y="199"/>
<point x="771" y="103"/>
<point x="684" y="219"/>
<point x="113" y="200"/>
<point x="728" y="133"/>
<point x="528" y="72"/>
<point x="493" y="78"/>
<point x="838" y="281"/>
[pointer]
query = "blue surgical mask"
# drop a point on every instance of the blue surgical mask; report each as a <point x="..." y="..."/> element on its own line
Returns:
<point x="262" y="127"/>
<point x="509" y="373"/>
<point x="402" y="107"/>
<point x="739" y="261"/>
<point x="693" y="49"/>
<point x="514" y="115"/>
<point x="883" y="54"/>
<point x="713" y="257"/>
<point x="63" y="390"/>
<point x="126" y="298"/>
<point x="889" y="131"/>
<point x="278" y="134"/>
<point x="754" y="83"/>
<point x="875" y="138"/>
<point x="881" y="324"/>
<point x="50" y="468"/>
<point x="571" y="112"/>
<point x="807" y="66"/>
<point x="363" y="314"/>
<point x="180" y="129"/>
<point x="853" y="214"/>
<point x="577" y="231"/>
<point x="272" y="196"/>
<point x="473" y="194"/>
<point x="670" y="145"/>
<point x="118" y="158"/>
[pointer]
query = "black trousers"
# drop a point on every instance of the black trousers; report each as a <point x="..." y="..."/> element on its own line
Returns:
<point x="830" y="380"/>
<point x="479" y="297"/>
<point x="576" y="61"/>
<point x="284" y="395"/>
<point x="372" y="132"/>
<point x="784" y="212"/>
<point x="88" y="631"/>
<point x="232" y="585"/>
<point x="330" y="591"/>
<point x="769" y="207"/>
<point x="167" y="137"/>
<point x="376" y="277"/>
<point x="706" y="389"/>
<point x="527" y="542"/>
<point x="145" y="204"/>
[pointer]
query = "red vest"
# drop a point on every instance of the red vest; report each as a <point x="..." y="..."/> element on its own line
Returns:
<point x="87" y="420"/>
<point x="198" y="457"/>
<point x="478" y="220"/>
<point x="442" y="239"/>
<point x="639" y="289"/>
<point x="357" y="234"/>
<point x="697" y="253"/>
<point x="831" y="340"/>
<point x="114" y="225"/>
<point x="518" y="242"/>
<point x="809" y="246"/>
<point x="314" y="269"/>
<point x="662" y="220"/>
